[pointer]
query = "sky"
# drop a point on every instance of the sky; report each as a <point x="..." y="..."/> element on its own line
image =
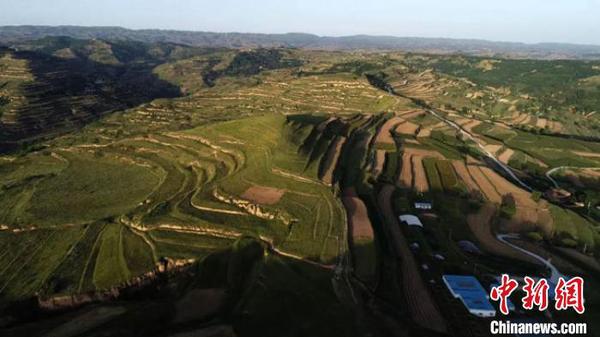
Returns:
<point x="531" y="21"/>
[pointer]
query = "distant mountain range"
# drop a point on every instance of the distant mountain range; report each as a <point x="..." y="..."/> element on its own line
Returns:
<point x="14" y="34"/>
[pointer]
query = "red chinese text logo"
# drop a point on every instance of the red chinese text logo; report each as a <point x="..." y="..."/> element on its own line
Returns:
<point x="568" y="294"/>
<point x="503" y="291"/>
<point x="535" y="294"/>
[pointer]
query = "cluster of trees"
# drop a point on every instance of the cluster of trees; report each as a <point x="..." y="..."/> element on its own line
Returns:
<point x="248" y="63"/>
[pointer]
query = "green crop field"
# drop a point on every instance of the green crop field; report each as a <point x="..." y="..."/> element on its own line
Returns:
<point x="433" y="176"/>
<point x="447" y="175"/>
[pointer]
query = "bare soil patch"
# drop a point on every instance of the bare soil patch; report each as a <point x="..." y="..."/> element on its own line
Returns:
<point x="492" y="148"/>
<point x="384" y="135"/>
<point x="411" y="141"/>
<point x="463" y="174"/>
<point x="420" y="183"/>
<point x="555" y="127"/>
<point x="406" y="176"/>
<point x="263" y="195"/>
<point x="541" y="123"/>
<point x="333" y="154"/>
<point x="379" y="161"/>
<point x="423" y="153"/>
<point x="530" y="215"/>
<point x="426" y="131"/>
<point x="588" y="154"/>
<point x="485" y="186"/>
<point x="411" y="114"/>
<point x="358" y="217"/>
<point x="505" y="155"/>
<point x="407" y="128"/>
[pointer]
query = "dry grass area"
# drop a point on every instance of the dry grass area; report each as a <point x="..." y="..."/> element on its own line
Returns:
<point x="358" y="217"/>
<point x="486" y="65"/>
<point x="263" y="195"/>
<point x="587" y="154"/>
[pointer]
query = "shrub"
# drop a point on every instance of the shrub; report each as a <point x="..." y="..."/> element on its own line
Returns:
<point x="508" y="208"/>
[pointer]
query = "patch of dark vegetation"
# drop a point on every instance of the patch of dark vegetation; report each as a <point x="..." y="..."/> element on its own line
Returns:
<point x="379" y="80"/>
<point x="356" y="67"/>
<point x="248" y="63"/>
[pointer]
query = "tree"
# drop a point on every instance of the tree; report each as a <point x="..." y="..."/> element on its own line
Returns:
<point x="508" y="208"/>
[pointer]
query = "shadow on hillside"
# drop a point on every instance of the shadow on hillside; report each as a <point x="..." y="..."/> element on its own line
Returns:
<point x="69" y="93"/>
<point x="264" y="294"/>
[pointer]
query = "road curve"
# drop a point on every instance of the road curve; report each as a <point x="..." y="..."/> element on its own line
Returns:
<point x="554" y="273"/>
<point x="490" y="155"/>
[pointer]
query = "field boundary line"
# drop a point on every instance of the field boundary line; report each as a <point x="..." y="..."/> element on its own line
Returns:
<point x="87" y="262"/>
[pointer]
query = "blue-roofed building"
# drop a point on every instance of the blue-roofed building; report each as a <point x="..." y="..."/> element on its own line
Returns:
<point x="471" y="293"/>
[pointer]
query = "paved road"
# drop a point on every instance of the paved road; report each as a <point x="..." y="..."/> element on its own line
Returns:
<point x="554" y="273"/>
<point x="490" y="155"/>
<point x="551" y="172"/>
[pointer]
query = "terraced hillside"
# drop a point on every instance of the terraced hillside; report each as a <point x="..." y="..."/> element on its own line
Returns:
<point x="207" y="186"/>
<point x="271" y="191"/>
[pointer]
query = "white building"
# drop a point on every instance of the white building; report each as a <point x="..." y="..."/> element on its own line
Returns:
<point x="411" y="220"/>
<point x="423" y="205"/>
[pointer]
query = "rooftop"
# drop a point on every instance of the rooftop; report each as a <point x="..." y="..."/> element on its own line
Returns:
<point x="471" y="293"/>
<point x="411" y="220"/>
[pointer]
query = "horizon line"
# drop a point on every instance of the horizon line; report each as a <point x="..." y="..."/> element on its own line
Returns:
<point x="304" y="33"/>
